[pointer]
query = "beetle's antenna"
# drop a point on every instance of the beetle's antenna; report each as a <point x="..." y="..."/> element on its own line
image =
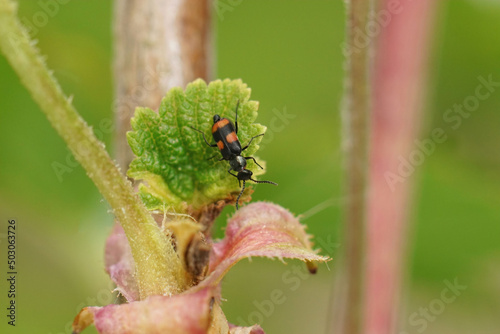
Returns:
<point x="236" y="118"/>
<point x="270" y="182"/>
<point x="241" y="192"/>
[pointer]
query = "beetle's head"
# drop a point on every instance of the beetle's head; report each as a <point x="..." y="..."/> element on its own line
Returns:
<point x="245" y="175"/>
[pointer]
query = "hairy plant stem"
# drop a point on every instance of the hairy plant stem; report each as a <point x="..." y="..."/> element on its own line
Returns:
<point x="157" y="264"/>
<point x="355" y="139"/>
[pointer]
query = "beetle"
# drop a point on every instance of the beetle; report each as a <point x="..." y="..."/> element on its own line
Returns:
<point x="226" y="140"/>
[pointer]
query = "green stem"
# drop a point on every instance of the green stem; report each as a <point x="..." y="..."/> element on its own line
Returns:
<point x="158" y="268"/>
<point x="356" y="116"/>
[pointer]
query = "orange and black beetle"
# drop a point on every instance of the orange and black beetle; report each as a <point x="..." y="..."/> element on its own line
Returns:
<point x="226" y="139"/>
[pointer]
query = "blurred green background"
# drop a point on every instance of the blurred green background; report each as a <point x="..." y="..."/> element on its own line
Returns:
<point x="289" y="53"/>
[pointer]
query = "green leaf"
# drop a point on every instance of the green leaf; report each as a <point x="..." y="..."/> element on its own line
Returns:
<point x="174" y="161"/>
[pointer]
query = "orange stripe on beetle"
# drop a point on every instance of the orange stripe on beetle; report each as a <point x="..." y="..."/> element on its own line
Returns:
<point x="220" y="124"/>
<point x="220" y="145"/>
<point x="231" y="138"/>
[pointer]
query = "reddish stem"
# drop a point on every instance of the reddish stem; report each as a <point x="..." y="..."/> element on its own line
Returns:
<point x="398" y="85"/>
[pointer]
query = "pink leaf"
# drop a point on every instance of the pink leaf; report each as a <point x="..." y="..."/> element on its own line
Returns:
<point x="120" y="263"/>
<point x="179" y="314"/>
<point x="260" y="229"/>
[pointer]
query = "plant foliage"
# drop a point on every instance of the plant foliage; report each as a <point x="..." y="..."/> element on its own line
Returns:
<point x="174" y="160"/>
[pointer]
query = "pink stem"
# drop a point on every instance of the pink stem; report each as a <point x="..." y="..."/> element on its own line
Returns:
<point x="398" y="85"/>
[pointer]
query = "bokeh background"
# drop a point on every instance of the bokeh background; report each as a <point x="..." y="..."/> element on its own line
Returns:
<point x="289" y="54"/>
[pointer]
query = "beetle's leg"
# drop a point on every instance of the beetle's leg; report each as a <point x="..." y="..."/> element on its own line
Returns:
<point x="206" y="141"/>
<point x="244" y="148"/>
<point x="254" y="161"/>
<point x="229" y="171"/>
<point x="236" y="176"/>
